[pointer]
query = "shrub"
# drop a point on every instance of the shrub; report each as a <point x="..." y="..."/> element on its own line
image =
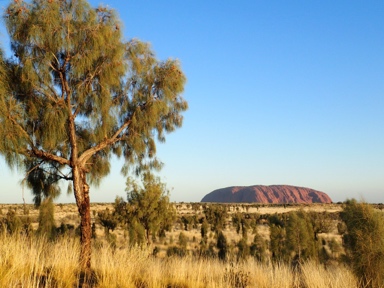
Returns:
<point x="183" y="240"/>
<point x="222" y="246"/>
<point x="176" y="251"/>
<point x="243" y="249"/>
<point x="46" y="219"/>
<point x="364" y="242"/>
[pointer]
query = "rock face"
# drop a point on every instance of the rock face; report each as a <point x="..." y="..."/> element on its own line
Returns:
<point x="267" y="194"/>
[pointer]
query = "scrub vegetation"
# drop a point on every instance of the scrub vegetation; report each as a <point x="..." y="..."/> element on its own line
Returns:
<point x="202" y="245"/>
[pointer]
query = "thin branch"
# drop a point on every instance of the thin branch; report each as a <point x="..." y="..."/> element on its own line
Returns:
<point x="48" y="156"/>
<point x="61" y="177"/>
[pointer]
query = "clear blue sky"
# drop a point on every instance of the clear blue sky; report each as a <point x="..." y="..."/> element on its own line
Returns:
<point x="280" y="92"/>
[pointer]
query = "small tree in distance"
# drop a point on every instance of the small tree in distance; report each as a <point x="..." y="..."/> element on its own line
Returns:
<point x="148" y="206"/>
<point x="74" y="92"/>
<point x="300" y="241"/>
<point x="222" y="245"/>
<point x="108" y="220"/>
<point x="46" y="219"/>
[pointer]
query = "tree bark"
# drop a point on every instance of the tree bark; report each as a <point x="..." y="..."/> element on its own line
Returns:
<point x="86" y="233"/>
<point x="148" y="234"/>
<point x="81" y="190"/>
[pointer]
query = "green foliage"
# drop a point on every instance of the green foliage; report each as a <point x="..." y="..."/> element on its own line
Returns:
<point x="222" y="245"/>
<point x="243" y="249"/>
<point x="335" y="247"/>
<point x="341" y="228"/>
<point x="321" y="222"/>
<point x="364" y="242"/>
<point x="43" y="183"/>
<point x="292" y="237"/>
<point x="189" y="221"/>
<point x="147" y="208"/>
<point x="60" y="57"/>
<point x="242" y="223"/>
<point x="46" y="219"/>
<point x="176" y="251"/>
<point x="136" y="233"/>
<point x="207" y="250"/>
<point x="108" y="220"/>
<point x="216" y="216"/>
<point x="277" y="220"/>
<point x="183" y="240"/>
<point x="236" y="221"/>
<point x="204" y="229"/>
<point x="278" y="245"/>
<point x="66" y="229"/>
<point x="258" y="248"/>
<point x="300" y="240"/>
<point x="13" y="223"/>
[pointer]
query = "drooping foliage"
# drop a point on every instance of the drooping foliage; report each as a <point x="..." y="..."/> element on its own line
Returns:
<point x="74" y="92"/>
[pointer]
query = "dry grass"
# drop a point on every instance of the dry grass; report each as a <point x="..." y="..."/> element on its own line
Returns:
<point x="317" y="276"/>
<point x="35" y="262"/>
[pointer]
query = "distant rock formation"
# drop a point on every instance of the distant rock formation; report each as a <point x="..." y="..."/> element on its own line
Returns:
<point x="267" y="194"/>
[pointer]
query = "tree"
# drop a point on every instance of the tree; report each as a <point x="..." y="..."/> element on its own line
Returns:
<point x="74" y="92"/>
<point x="108" y="220"/>
<point x="258" y="248"/>
<point x="278" y="242"/>
<point x="241" y="223"/>
<point x="216" y="216"/>
<point x="46" y="219"/>
<point x="149" y="206"/>
<point x="300" y="236"/>
<point x="321" y="222"/>
<point x="222" y="245"/>
<point x="204" y="229"/>
<point x="364" y="242"/>
<point x="243" y="249"/>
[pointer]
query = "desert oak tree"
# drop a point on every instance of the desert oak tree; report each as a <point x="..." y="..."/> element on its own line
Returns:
<point x="74" y="92"/>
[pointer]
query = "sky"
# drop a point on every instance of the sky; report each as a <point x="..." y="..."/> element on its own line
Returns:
<point x="279" y="92"/>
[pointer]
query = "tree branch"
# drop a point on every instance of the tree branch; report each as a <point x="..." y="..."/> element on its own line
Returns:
<point x="48" y="156"/>
<point x="115" y="138"/>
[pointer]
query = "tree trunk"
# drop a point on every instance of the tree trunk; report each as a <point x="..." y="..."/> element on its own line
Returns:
<point x="149" y="237"/>
<point x="86" y="233"/>
<point x="81" y="190"/>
